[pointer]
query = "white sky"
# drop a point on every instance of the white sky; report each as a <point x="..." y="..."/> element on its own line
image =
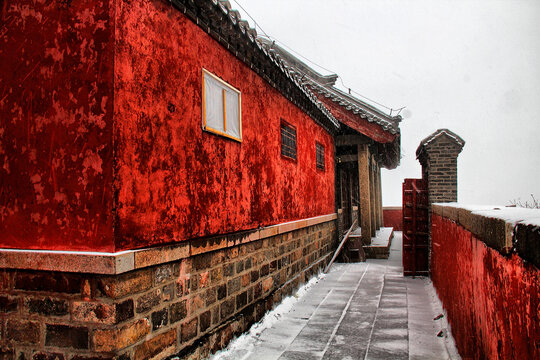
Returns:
<point x="470" y="66"/>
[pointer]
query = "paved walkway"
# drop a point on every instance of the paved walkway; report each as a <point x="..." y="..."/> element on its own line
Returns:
<point x="357" y="311"/>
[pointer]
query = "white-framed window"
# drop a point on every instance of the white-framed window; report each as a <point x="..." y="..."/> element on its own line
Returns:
<point x="221" y="106"/>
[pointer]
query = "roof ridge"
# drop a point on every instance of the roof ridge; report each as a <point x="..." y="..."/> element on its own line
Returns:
<point x="436" y="134"/>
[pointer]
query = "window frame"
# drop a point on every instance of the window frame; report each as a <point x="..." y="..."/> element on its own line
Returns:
<point x="209" y="129"/>
<point x="286" y="124"/>
<point x="321" y="146"/>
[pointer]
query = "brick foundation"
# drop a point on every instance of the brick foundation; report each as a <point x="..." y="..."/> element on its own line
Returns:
<point x="191" y="306"/>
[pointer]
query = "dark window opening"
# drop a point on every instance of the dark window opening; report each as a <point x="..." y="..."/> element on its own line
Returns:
<point x="319" y="152"/>
<point x="288" y="141"/>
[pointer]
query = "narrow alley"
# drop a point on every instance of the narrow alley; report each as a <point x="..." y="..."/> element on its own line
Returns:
<point x="357" y="311"/>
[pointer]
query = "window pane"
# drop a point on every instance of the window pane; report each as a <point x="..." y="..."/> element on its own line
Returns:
<point x="232" y="112"/>
<point x="213" y="94"/>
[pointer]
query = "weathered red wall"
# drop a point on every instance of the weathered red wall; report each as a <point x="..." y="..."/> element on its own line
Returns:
<point x="56" y="106"/>
<point x="176" y="181"/>
<point x="172" y="181"/>
<point x="491" y="300"/>
<point x="393" y="217"/>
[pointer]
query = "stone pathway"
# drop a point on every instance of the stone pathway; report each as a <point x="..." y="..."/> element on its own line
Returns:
<point x="357" y="311"/>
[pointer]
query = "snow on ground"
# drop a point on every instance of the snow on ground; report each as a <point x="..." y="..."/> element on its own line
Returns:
<point x="246" y="341"/>
<point x="436" y="320"/>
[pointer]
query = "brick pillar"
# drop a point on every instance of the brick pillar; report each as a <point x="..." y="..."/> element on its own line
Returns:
<point x="364" y="193"/>
<point x="438" y="155"/>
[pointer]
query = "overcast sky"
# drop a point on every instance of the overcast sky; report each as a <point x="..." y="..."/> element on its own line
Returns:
<point x="470" y="66"/>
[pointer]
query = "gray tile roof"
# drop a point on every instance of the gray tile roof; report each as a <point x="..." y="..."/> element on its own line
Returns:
<point x="221" y="21"/>
<point x="324" y="85"/>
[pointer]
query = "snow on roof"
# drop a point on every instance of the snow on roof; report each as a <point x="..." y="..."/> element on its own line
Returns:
<point x="512" y="215"/>
<point x="456" y="138"/>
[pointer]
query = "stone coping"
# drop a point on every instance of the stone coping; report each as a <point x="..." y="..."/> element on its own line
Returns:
<point x="505" y="229"/>
<point x="392" y="208"/>
<point x="124" y="261"/>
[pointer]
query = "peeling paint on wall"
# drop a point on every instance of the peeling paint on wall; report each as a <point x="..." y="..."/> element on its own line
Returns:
<point x="56" y="129"/>
<point x="102" y="147"/>
<point x="176" y="181"/>
<point x="492" y="301"/>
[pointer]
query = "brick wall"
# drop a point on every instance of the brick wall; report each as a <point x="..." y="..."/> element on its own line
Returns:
<point x="441" y="171"/>
<point x="192" y="306"/>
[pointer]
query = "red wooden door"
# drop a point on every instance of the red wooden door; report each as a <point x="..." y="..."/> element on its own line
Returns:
<point x="415" y="228"/>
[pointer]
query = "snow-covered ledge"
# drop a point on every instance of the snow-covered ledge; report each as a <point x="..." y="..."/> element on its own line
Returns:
<point x="505" y="229"/>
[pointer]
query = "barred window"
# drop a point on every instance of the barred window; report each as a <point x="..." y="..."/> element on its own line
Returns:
<point x="319" y="155"/>
<point x="288" y="141"/>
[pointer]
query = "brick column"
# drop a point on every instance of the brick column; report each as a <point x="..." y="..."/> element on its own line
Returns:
<point x="438" y="155"/>
<point x="364" y="193"/>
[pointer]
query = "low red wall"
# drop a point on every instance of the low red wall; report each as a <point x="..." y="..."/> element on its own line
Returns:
<point x="393" y="217"/>
<point x="491" y="300"/>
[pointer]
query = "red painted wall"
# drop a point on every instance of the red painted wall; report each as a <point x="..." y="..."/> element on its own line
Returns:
<point x="393" y="217"/>
<point x="56" y="107"/>
<point x="101" y="141"/>
<point x="176" y="181"/>
<point x="492" y="301"/>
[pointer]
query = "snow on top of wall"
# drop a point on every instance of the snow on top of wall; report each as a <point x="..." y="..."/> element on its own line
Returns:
<point x="513" y="215"/>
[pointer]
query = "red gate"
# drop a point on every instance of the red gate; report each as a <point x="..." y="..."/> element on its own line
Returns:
<point x="415" y="228"/>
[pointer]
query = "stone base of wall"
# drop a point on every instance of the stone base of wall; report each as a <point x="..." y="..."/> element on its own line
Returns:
<point x="190" y="307"/>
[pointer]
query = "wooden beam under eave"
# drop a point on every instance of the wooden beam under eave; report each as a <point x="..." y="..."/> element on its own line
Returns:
<point x="373" y="196"/>
<point x="351" y="140"/>
<point x="347" y="158"/>
<point x="364" y="193"/>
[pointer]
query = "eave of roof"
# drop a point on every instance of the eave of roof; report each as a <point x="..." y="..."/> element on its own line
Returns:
<point x="358" y="107"/>
<point x="325" y="85"/>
